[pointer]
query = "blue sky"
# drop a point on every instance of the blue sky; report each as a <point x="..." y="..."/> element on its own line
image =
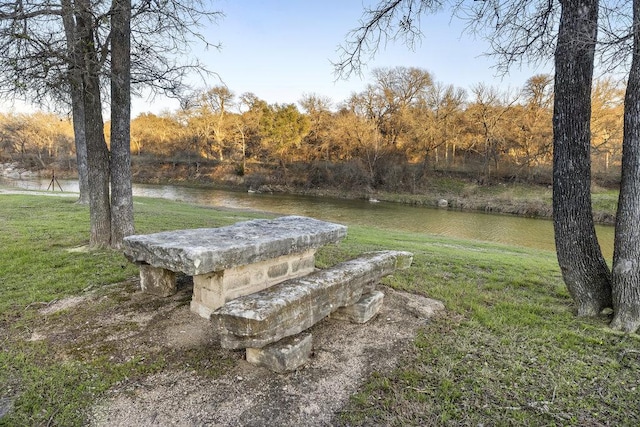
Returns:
<point x="281" y="49"/>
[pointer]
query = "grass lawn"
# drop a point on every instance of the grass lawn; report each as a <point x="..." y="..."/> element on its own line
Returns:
<point x="508" y="352"/>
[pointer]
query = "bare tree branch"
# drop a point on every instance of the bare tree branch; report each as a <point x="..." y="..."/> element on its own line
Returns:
<point x="391" y="20"/>
<point x="518" y="31"/>
<point x="35" y="62"/>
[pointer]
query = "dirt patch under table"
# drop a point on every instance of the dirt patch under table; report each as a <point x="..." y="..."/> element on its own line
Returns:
<point x="235" y="393"/>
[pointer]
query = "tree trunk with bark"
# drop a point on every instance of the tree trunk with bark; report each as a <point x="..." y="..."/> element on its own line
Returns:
<point x="626" y="254"/>
<point x="77" y="107"/>
<point x="80" y="138"/>
<point x="97" y="152"/>
<point x="583" y="267"/>
<point x="121" y="192"/>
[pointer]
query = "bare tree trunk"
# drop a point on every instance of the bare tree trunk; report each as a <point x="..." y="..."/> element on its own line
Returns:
<point x="80" y="138"/>
<point x="121" y="192"/>
<point x="97" y="152"/>
<point x="626" y="255"/>
<point x="75" y="81"/>
<point x="583" y="267"/>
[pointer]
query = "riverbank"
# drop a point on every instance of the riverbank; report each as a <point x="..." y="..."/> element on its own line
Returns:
<point x="81" y="344"/>
<point x="458" y="193"/>
<point x="439" y="191"/>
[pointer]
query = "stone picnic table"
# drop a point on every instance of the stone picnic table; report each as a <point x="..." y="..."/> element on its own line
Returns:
<point x="257" y="282"/>
<point x="232" y="261"/>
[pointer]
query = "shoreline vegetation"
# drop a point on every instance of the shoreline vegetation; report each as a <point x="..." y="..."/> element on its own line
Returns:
<point x="458" y="191"/>
<point x="509" y="350"/>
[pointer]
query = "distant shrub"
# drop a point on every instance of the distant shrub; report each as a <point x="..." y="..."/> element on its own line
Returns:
<point x="351" y="175"/>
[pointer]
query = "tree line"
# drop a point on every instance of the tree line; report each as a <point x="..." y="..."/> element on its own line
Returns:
<point x="403" y="117"/>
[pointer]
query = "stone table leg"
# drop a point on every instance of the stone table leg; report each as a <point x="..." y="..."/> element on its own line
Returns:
<point x="283" y="356"/>
<point x="157" y="281"/>
<point x="211" y="291"/>
<point x="362" y="311"/>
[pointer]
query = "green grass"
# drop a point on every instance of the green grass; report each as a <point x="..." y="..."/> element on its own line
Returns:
<point x="36" y="263"/>
<point x="509" y="350"/>
<point x="605" y="200"/>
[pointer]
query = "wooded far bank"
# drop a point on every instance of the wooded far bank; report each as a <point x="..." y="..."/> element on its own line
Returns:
<point x="402" y="129"/>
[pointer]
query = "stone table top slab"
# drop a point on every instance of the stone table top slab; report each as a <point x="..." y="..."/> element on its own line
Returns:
<point x="204" y="250"/>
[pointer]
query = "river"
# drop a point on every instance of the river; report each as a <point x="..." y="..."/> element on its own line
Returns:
<point x="510" y="230"/>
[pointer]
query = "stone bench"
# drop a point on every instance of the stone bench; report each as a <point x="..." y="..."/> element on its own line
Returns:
<point x="347" y="291"/>
<point x="229" y="262"/>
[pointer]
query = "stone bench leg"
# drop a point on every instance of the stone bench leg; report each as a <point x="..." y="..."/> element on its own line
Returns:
<point x="211" y="291"/>
<point x="285" y="355"/>
<point x="362" y="311"/>
<point x="157" y="281"/>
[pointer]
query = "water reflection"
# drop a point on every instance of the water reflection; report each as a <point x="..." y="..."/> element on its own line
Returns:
<point x="509" y="230"/>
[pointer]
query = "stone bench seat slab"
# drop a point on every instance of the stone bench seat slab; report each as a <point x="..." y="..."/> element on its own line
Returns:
<point x="201" y="251"/>
<point x="290" y="307"/>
